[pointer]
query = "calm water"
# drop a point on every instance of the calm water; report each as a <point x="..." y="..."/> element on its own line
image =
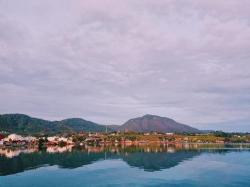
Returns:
<point x="126" y="166"/>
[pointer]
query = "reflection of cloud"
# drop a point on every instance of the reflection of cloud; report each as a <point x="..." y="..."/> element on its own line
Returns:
<point x="129" y="58"/>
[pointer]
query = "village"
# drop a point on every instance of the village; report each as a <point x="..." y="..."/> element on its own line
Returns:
<point x="126" y="138"/>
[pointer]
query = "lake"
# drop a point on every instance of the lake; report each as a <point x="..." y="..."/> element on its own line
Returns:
<point x="154" y="165"/>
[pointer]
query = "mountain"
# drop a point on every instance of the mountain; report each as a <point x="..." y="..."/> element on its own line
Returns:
<point x="114" y="127"/>
<point x="23" y="124"/>
<point x="20" y="123"/>
<point x="152" y="123"/>
<point x="78" y="124"/>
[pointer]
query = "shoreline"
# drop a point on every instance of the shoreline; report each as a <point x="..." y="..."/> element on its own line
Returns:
<point x="125" y="144"/>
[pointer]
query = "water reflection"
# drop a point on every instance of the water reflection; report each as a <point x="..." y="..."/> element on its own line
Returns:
<point x="148" y="157"/>
<point x="58" y="149"/>
<point x="10" y="153"/>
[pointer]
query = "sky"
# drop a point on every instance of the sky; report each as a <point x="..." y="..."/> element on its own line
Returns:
<point x="111" y="60"/>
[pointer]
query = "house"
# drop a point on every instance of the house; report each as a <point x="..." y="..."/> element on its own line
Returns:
<point x="169" y="134"/>
<point x="68" y="141"/>
<point x="30" y="139"/>
<point x="13" y="137"/>
<point x="54" y="140"/>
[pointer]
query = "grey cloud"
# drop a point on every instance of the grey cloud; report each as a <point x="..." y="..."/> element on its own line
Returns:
<point x="112" y="60"/>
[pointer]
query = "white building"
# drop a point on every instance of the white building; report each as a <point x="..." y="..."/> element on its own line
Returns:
<point x="30" y="138"/>
<point x="53" y="138"/>
<point x="56" y="139"/>
<point x="13" y="137"/>
<point x="169" y="134"/>
<point x="16" y="137"/>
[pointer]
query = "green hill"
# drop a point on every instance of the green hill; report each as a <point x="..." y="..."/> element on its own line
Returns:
<point x="78" y="124"/>
<point x="23" y="124"/>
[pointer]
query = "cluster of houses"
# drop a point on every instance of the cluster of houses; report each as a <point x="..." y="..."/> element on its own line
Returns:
<point x="14" y="139"/>
<point x="18" y="140"/>
<point x="56" y="140"/>
<point x="83" y="138"/>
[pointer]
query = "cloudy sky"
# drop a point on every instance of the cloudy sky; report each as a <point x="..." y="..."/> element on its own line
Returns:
<point x="111" y="60"/>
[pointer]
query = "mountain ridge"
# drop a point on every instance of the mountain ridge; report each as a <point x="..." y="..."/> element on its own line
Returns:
<point x="24" y="124"/>
<point x="149" y="123"/>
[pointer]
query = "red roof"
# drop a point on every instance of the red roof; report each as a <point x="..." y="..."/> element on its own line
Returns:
<point x="1" y="136"/>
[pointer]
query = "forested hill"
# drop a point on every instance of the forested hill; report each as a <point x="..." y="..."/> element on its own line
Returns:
<point x="24" y="124"/>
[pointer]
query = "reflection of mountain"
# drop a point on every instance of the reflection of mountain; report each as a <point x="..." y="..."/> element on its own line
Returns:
<point x="158" y="161"/>
<point x="148" y="161"/>
<point x="34" y="160"/>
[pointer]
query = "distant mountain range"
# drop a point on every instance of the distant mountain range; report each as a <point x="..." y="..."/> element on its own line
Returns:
<point x="23" y="124"/>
